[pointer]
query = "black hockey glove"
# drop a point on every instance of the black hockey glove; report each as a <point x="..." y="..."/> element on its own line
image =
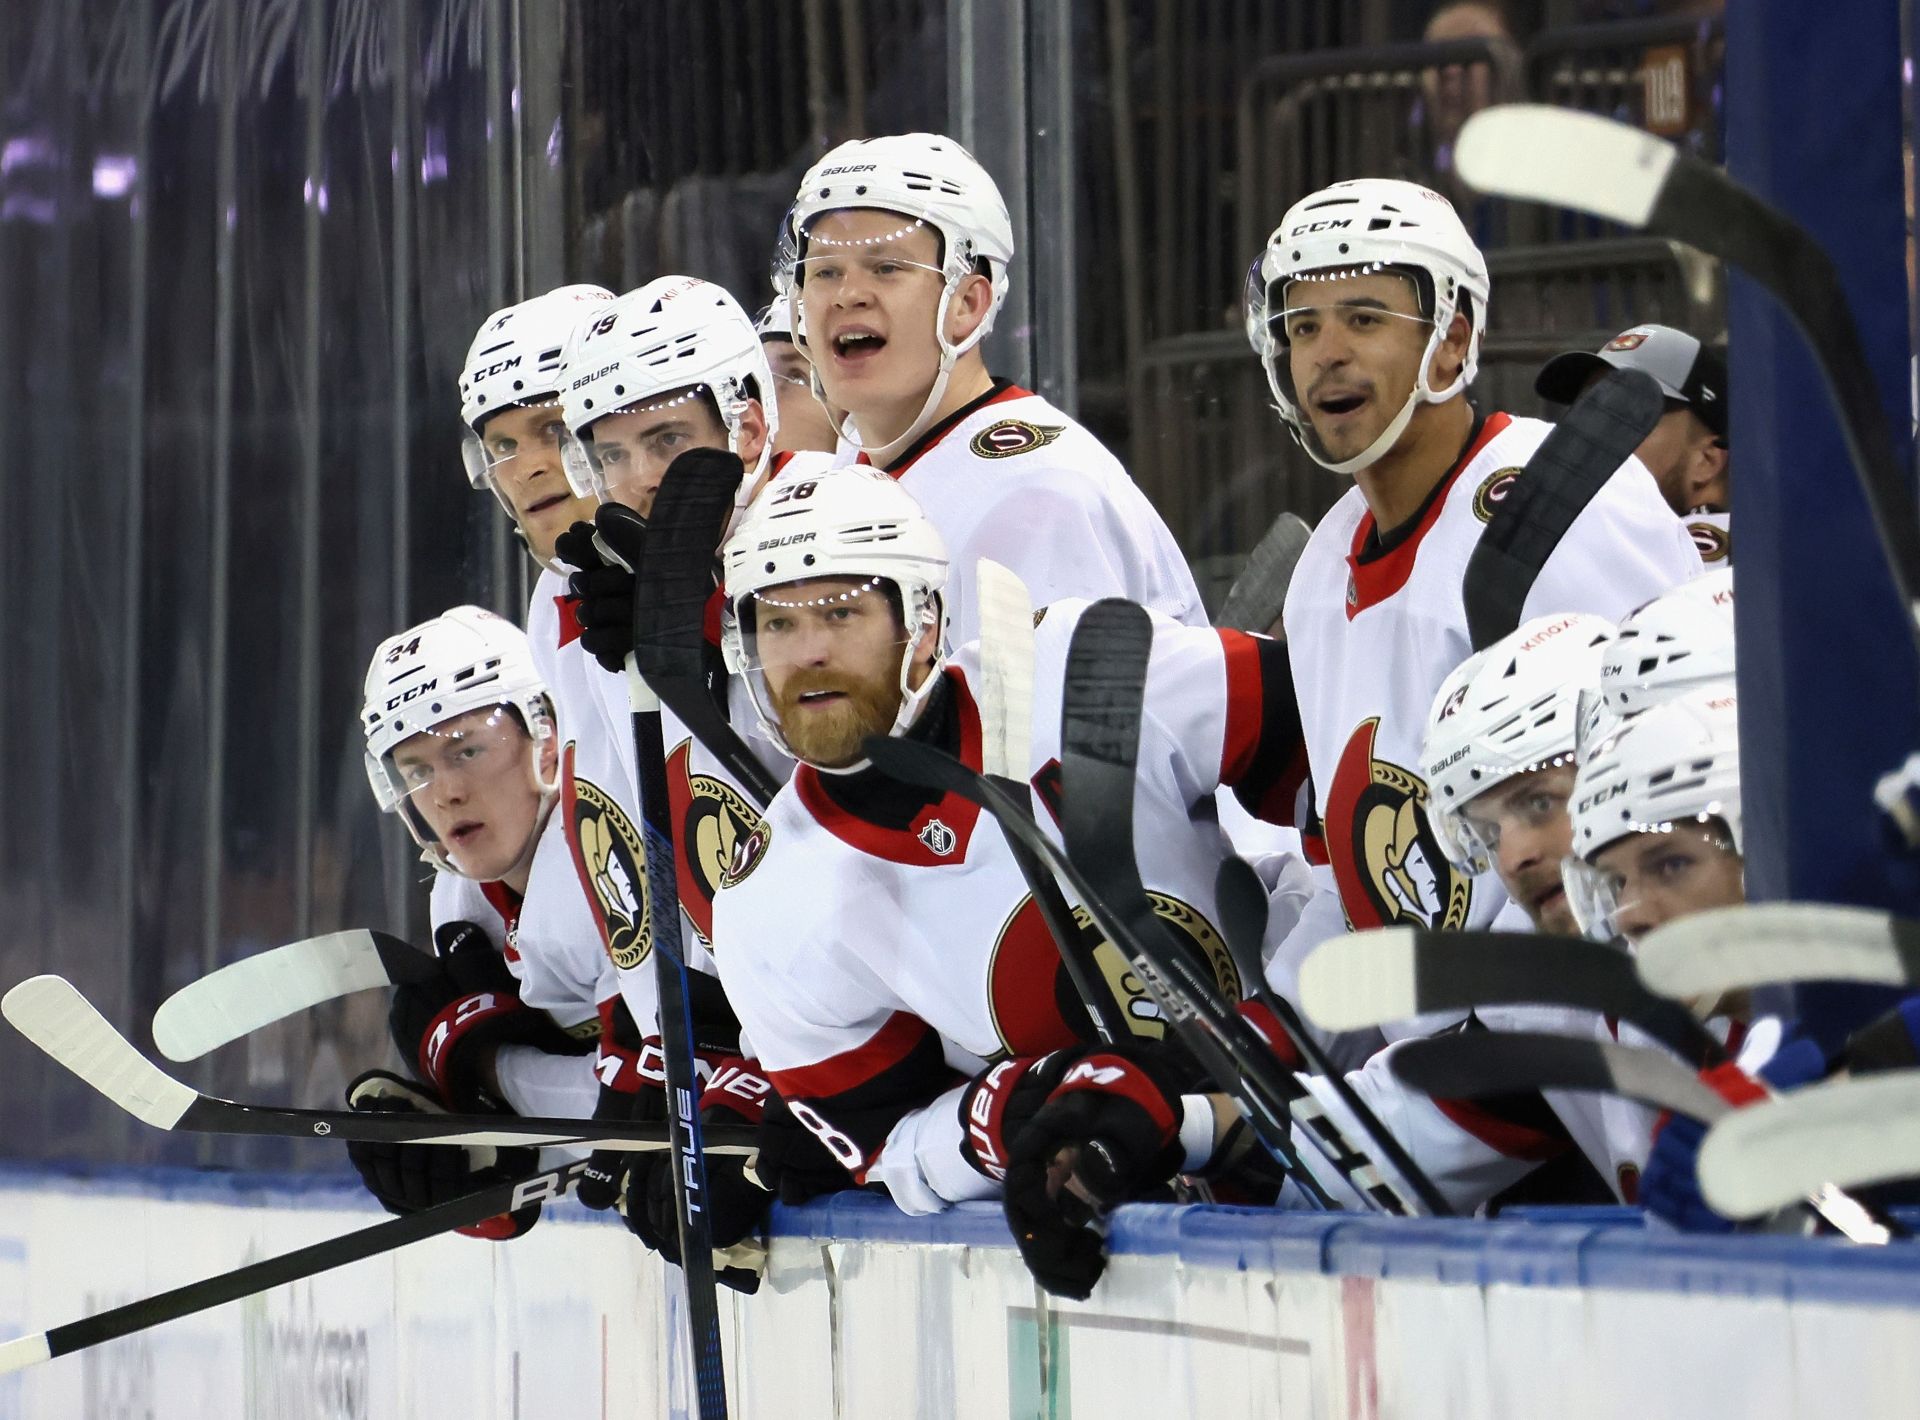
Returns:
<point x="448" y="1030"/>
<point x="737" y="1202"/>
<point x="1107" y="1132"/>
<point x="603" y="590"/>
<point x="408" y="1178"/>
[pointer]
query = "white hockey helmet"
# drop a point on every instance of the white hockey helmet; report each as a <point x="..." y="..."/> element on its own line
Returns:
<point x="463" y="660"/>
<point x="1677" y="763"/>
<point x="515" y="359"/>
<point x="1507" y="710"/>
<point x="1356" y="228"/>
<point x="677" y="335"/>
<point x="926" y="178"/>
<point x="1679" y="641"/>
<point x="849" y="521"/>
<point x="776" y="321"/>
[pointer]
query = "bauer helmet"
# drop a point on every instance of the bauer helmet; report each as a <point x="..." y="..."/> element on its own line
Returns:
<point x="515" y="360"/>
<point x="1357" y="228"/>
<point x="464" y="660"/>
<point x="1507" y="710"/>
<point x="1675" y="764"/>
<point x="677" y="336"/>
<point x="852" y="521"/>
<point x="929" y="180"/>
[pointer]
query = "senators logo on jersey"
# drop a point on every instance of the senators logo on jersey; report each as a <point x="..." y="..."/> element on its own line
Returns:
<point x="1013" y="436"/>
<point x="1388" y="864"/>
<point x="1493" y="488"/>
<point x="1035" y="1008"/>
<point x="609" y="856"/>
<point x="715" y="822"/>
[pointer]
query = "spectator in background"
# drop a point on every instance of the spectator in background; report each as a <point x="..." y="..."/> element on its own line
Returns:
<point x="1453" y="93"/>
<point x="1687" y="451"/>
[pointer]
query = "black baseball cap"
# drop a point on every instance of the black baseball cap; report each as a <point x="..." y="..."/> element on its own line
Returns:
<point x="1685" y="368"/>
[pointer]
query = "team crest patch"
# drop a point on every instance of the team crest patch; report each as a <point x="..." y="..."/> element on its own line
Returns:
<point x="1385" y="856"/>
<point x="1492" y="490"/>
<point x="609" y="856"/>
<point x="938" y="838"/>
<point x="1628" y="340"/>
<point x="747" y="853"/>
<point x="713" y="820"/>
<point x="1033" y="1001"/>
<point x="1014" y="436"/>
<point x="1711" y="541"/>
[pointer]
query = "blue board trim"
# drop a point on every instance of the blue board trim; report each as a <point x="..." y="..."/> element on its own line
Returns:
<point x="1607" y="1248"/>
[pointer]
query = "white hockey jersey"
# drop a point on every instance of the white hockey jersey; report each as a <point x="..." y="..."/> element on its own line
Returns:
<point x="1011" y="478"/>
<point x="1372" y="632"/>
<point x="877" y="967"/>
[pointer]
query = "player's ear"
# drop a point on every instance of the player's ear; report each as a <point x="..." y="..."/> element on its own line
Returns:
<point x="1451" y="358"/>
<point x="751" y="441"/>
<point x="1706" y="475"/>
<point x="970" y="304"/>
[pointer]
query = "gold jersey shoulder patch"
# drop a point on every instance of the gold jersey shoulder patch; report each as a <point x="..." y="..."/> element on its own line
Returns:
<point x="1014" y="436"/>
<point x="1494" y="487"/>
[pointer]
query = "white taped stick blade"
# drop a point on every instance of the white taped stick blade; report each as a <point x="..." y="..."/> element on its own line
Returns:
<point x="1006" y="670"/>
<point x="1851" y="1133"/>
<point x="1655" y="1077"/>
<point x="254" y="992"/>
<point x="24" y="1351"/>
<point x="1564" y="158"/>
<point x="1732" y="947"/>
<point x="1361" y="979"/>
<point x="51" y="1013"/>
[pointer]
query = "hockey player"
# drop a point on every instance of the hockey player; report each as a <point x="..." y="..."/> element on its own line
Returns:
<point x="1367" y="309"/>
<point x="1687" y="451"/>
<point x="879" y="941"/>
<point x="898" y="264"/>
<point x="805" y="422"/>
<point x="462" y="744"/>
<point x="509" y="402"/>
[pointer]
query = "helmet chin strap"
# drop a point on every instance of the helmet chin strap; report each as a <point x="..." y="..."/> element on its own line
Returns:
<point x="1370" y="455"/>
<point x="880" y="455"/>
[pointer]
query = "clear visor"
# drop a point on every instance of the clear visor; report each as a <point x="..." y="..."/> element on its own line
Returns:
<point x="833" y="264"/>
<point x="470" y="789"/>
<point x="621" y="456"/>
<point x="486" y="456"/>
<point x="1657" y="873"/>
<point x="1530" y="801"/>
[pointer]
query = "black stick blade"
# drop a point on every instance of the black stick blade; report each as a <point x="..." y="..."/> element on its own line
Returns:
<point x="1476" y="1064"/>
<point x="675" y="577"/>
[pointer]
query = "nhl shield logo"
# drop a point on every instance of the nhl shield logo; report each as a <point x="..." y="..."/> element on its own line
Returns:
<point x="938" y="838"/>
<point x="1013" y="436"/>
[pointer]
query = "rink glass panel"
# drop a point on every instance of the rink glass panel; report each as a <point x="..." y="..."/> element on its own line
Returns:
<point x="243" y="246"/>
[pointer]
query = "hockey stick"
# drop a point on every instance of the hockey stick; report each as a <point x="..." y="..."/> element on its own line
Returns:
<point x="1473" y="1064"/>
<point x="671" y="590"/>
<point x="1591" y="164"/>
<point x="1101" y="710"/>
<point x="1225" y="1044"/>
<point x="51" y="1012"/>
<point x="1259" y="594"/>
<point x="1389" y="974"/>
<point x="1845" y="1133"/>
<point x="35" y="1347"/>
<point x="1730" y="948"/>
<point x="1006" y="716"/>
<point x="250" y="994"/>
<point x="1573" y="463"/>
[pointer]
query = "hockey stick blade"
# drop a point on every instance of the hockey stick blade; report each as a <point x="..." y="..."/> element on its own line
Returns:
<point x="1573" y="463"/>
<point x="1259" y="594"/>
<point x="1590" y="164"/>
<point x="1474" y="1064"/>
<point x="1848" y="1133"/>
<point x="548" y="1186"/>
<point x="1731" y="948"/>
<point x="1006" y="727"/>
<point x="51" y="1012"/>
<point x="254" y="992"/>
<point x="1388" y="974"/>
